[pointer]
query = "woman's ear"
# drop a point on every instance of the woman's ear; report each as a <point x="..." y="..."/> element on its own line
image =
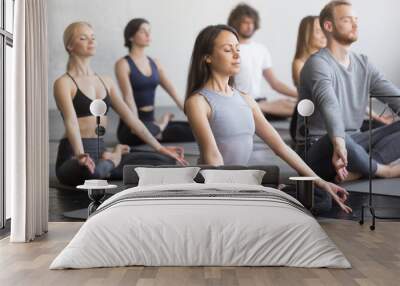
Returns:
<point x="131" y="41"/>
<point x="207" y="59"/>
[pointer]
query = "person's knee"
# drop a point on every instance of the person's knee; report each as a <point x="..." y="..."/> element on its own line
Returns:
<point x="148" y="158"/>
<point x="68" y="180"/>
<point x="73" y="174"/>
<point x="125" y="136"/>
<point x="357" y="158"/>
<point x="353" y="149"/>
<point x="355" y="152"/>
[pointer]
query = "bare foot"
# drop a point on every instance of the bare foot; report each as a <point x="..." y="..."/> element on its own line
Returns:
<point x="386" y="119"/>
<point x="164" y="120"/>
<point x="395" y="169"/>
<point x="350" y="177"/>
<point x="124" y="148"/>
<point x="389" y="171"/>
<point x="115" y="156"/>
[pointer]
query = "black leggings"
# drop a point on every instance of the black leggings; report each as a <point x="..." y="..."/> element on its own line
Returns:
<point x="176" y="131"/>
<point x="70" y="172"/>
<point x="385" y="149"/>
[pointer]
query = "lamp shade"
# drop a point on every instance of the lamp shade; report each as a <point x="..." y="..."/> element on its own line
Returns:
<point x="98" y="107"/>
<point x="305" y="107"/>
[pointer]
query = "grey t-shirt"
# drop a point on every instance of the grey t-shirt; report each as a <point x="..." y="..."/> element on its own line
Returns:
<point x="341" y="95"/>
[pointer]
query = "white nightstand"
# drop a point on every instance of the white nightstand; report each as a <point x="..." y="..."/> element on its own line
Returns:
<point x="96" y="195"/>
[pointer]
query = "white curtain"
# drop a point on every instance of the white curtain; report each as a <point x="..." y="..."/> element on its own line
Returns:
<point x="27" y="124"/>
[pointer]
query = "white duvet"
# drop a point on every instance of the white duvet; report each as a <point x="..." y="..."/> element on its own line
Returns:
<point x="188" y="231"/>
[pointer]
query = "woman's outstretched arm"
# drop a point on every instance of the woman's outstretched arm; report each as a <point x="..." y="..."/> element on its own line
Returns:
<point x="272" y="138"/>
<point x="137" y="127"/>
<point x="63" y="90"/>
<point x="168" y="86"/>
<point x="122" y="73"/>
<point x="198" y="111"/>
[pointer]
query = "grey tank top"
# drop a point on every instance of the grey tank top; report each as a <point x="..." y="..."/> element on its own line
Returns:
<point x="232" y="124"/>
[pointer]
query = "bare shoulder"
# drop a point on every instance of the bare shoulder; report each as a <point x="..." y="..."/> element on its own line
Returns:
<point x="63" y="85"/>
<point x="64" y="89"/>
<point x="196" y="102"/>
<point x="298" y="63"/>
<point x="195" y="98"/>
<point x="121" y="63"/>
<point x="62" y="81"/>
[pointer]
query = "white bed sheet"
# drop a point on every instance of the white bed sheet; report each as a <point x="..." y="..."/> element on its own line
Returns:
<point x="192" y="231"/>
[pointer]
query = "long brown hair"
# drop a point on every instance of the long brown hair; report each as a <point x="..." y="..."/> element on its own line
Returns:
<point x="199" y="70"/>
<point x="304" y="37"/>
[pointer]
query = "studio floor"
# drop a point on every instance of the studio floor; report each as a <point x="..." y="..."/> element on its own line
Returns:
<point x="374" y="255"/>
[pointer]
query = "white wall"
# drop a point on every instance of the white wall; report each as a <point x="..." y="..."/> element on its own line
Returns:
<point x="175" y="24"/>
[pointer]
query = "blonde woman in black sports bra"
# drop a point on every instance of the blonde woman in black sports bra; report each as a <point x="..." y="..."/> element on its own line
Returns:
<point x="73" y="92"/>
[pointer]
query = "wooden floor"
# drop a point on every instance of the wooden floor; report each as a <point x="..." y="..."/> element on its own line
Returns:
<point x="375" y="257"/>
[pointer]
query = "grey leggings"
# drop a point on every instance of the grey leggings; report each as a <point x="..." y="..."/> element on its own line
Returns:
<point x="70" y="172"/>
<point x="385" y="149"/>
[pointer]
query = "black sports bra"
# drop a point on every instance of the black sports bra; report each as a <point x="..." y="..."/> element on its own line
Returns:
<point x="82" y="103"/>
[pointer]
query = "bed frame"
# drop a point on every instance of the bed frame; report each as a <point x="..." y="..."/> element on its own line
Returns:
<point x="270" y="179"/>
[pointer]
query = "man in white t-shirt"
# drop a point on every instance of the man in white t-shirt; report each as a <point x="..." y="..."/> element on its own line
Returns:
<point x="255" y="63"/>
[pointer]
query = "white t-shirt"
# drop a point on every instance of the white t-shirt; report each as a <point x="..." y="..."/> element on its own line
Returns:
<point x="254" y="59"/>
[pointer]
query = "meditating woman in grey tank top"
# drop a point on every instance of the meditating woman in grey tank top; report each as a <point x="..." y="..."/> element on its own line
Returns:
<point x="223" y="119"/>
<point x="232" y="125"/>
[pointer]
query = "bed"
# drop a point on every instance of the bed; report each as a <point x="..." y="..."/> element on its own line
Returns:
<point x="201" y="224"/>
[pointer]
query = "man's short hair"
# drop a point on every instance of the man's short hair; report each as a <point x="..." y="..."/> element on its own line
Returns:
<point x="327" y="12"/>
<point x="240" y="11"/>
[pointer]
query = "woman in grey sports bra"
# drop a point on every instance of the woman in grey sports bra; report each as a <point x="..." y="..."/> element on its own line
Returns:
<point x="225" y="120"/>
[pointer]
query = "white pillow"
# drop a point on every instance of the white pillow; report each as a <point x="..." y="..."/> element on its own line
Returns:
<point x="248" y="177"/>
<point x="163" y="176"/>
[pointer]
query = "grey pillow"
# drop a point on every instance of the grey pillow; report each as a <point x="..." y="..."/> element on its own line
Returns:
<point x="248" y="177"/>
<point x="163" y="176"/>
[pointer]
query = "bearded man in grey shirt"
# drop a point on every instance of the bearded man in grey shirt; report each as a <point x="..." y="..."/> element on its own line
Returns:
<point x="339" y="83"/>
